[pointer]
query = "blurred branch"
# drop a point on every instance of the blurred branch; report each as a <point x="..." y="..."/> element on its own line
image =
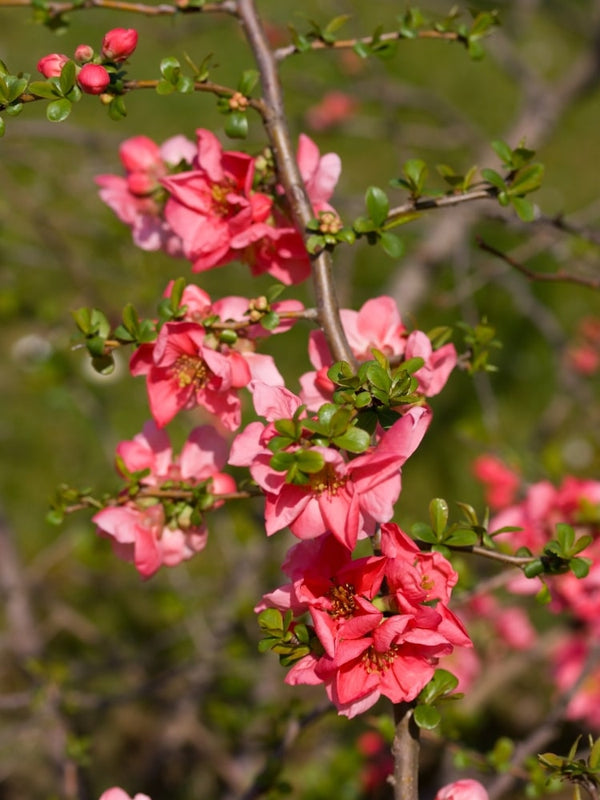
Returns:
<point x="347" y="44"/>
<point x="405" y="750"/>
<point x="55" y="9"/>
<point x="555" y="277"/>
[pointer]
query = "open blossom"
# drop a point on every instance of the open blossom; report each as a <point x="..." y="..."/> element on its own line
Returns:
<point x="466" y="789"/>
<point x="139" y="530"/>
<point x="183" y="372"/>
<point x="377" y="325"/>
<point x="219" y="217"/>
<point x="137" y="198"/>
<point x="570" y="659"/>
<point x="365" y="652"/>
<point x="346" y="497"/>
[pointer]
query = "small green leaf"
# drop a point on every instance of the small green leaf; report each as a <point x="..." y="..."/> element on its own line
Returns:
<point x="42" y="89"/>
<point x="462" y="538"/>
<point x="491" y="176"/>
<point x="2" y="127"/>
<point x="392" y="245"/>
<point x="438" y="514"/>
<point x="526" y="180"/>
<point x="377" y="204"/>
<point x="248" y="81"/>
<point x="236" y="126"/>
<point x="185" y="84"/>
<point x="580" y="567"/>
<point x="504" y="152"/>
<point x="354" y="440"/>
<point x="67" y="77"/>
<point x="164" y="87"/>
<point x="170" y="69"/>
<point x="427" y="717"/>
<point x="524" y="208"/>
<point x="104" y="364"/>
<point x="270" y="320"/>
<point x="423" y="532"/>
<point x="58" y="110"/>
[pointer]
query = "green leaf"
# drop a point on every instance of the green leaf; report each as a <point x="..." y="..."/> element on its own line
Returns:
<point x="355" y="440"/>
<point x="270" y="320"/>
<point x="438" y="514"/>
<point x="416" y="172"/>
<point x="236" y="126"/>
<point x="67" y="77"/>
<point x="170" y="69"/>
<point x="42" y="89"/>
<point x="309" y="461"/>
<point x="462" y="538"/>
<point x="392" y="245"/>
<point x="427" y="717"/>
<point x="580" y="567"/>
<point x="2" y="127"/>
<point x="491" y="176"/>
<point x="377" y="204"/>
<point x="363" y="225"/>
<point x="524" y="208"/>
<point x="248" y="81"/>
<point x="185" y="84"/>
<point x="423" y="532"/>
<point x="164" y="87"/>
<point x="504" y="152"/>
<point x="58" y="110"/>
<point x="104" y="364"/>
<point x="526" y="180"/>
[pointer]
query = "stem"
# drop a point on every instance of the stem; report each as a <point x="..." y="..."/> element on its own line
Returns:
<point x="58" y="8"/>
<point x="289" y="175"/>
<point x="405" y="750"/>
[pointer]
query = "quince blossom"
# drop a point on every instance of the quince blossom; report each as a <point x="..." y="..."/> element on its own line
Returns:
<point x="116" y="793"/>
<point x="346" y="497"/>
<point x="377" y="325"/>
<point x="365" y="652"/>
<point x="138" y="198"/>
<point x="466" y="789"/>
<point x="139" y="529"/>
<point x="183" y="372"/>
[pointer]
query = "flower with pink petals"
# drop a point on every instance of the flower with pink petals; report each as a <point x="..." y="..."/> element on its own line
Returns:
<point x="140" y="528"/>
<point x="116" y="793"/>
<point x="182" y="372"/>
<point x="377" y="326"/>
<point x="501" y="482"/>
<point x="334" y="108"/>
<point x="466" y="789"/>
<point x="138" y="198"/>
<point x="346" y="497"/>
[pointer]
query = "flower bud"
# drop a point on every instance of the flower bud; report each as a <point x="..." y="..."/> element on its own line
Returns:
<point x="84" y="53"/>
<point x="140" y="154"/>
<point x="93" y="78"/>
<point x="51" y="65"/>
<point x="119" y="44"/>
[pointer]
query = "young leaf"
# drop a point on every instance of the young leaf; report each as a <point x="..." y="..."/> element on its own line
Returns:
<point x="377" y="204"/>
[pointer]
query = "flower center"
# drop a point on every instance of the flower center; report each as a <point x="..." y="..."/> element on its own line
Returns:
<point x="327" y="480"/>
<point x="190" y="371"/>
<point x="343" y="603"/>
<point x="219" y="192"/>
<point x="374" y="661"/>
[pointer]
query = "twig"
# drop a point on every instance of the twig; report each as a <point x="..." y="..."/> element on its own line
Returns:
<point x="164" y="9"/>
<point x="550" y="277"/>
<point x="344" y="44"/>
<point x="427" y="203"/>
<point x="289" y="174"/>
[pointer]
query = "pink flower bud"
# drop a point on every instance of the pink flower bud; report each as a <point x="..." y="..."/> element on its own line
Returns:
<point x="51" y="65"/>
<point x="140" y="154"/>
<point x="93" y="78"/>
<point x="141" y="183"/>
<point x="84" y="53"/>
<point x="119" y="44"/>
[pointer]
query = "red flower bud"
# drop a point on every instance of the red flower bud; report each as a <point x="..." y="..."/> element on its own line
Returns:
<point x="93" y="78"/>
<point x="84" y="53"/>
<point x="119" y="44"/>
<point x="51" y="65"/>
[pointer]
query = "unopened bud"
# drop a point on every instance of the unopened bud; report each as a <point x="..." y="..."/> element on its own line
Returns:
<point x="119" y="43"/>
<point x="93" y="78"/>
<point x="51" y="65"/>
<point x="84" y="53"/>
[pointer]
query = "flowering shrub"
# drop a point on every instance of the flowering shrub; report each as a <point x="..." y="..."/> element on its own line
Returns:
<point x="365" y="613"/>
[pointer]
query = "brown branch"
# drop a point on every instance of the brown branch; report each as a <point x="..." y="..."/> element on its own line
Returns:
<point x="405" y="750"/>
<point x="344" y="44"/>
<point x="428" y="203"/>
<point x="289" y="174"/>
<point x="561" y="276"/>
<point x="164" y="9"/>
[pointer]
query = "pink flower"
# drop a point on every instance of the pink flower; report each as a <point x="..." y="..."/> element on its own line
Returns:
<point x="51" y="65"/>
<point x="139" y="529"/>
<point x="119" y="43"/>
<point x="377" y="326"/>
<point x="120" y="794"/>
<point x="212" y="204"/>
<point x="466" y="789"/>
<point x="182" y="372"/>
<point x="136" y="199"/>
<point x="93" y="78"/>
<point x="571" y="657"/>
<point x="501" y="483"/>
<point x="334" y="108"/>
<point x="319" y="173"/>
<point x="346" y="497"/>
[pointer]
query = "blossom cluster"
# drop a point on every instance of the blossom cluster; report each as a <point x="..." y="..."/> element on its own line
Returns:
<point x="214" y="206"/>
<point x="544" y="505"/>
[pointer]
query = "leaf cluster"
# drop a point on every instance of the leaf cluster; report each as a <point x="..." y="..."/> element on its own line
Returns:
<point x="523" y="178"/>
<point x="440" y="688"/>
<point x="289" y="639"/>
<point x="560" y="555"/>
<point x="582" y="772"/>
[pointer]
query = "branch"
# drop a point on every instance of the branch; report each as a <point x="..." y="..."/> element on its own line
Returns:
<point x="555" y="277"/>
<point x="427" y="203"/>
<point x="344" y="44"/>
<point x="289" y="174"/>
<point x="405" y="750"/>
<point x="181" y="7"/>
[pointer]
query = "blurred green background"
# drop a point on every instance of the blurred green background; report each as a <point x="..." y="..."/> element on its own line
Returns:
<point x="157" y="686"/>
